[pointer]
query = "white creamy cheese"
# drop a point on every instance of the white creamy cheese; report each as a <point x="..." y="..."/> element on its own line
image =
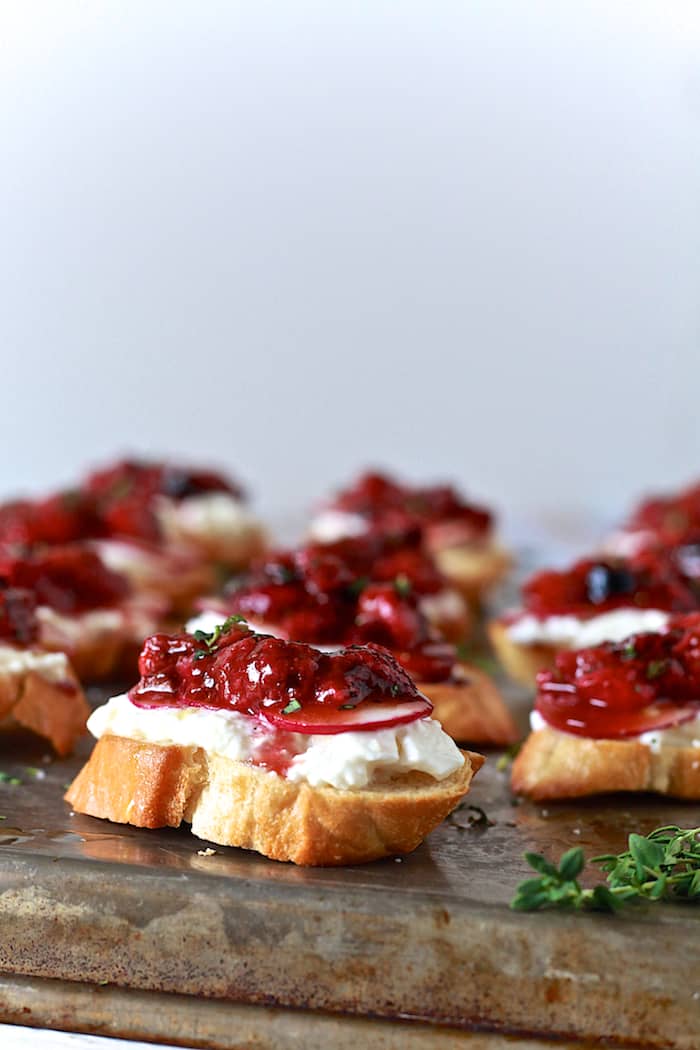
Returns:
<point x="447" y="604"/>
<point x="624" y="544"/>
<point x="346" y="761"/>
<point x="127" y="558"/>
<point x="575" y="633"/>
<point x="331" y="525"/>
<point x="211" y="515"/>
<point x="51" y="666"/>
<point x="77" y="628"/>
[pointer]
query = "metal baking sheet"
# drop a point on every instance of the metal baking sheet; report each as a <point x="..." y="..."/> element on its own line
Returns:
<point x="428" y="939"/>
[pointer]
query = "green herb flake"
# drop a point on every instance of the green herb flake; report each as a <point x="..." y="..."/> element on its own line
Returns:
<point x="629" y="652"/>
<point x="656" y="668"/>
<point x="291" y="707"/>
<point x="506" y="759"/>
<point x="402" y="585"/>
<point x="357" y="586"/>
<point x="6" y="778"/>
<point x="347" y="707"/>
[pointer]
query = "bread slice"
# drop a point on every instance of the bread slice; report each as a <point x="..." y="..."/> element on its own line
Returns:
<point x="521" y="662"/>
<point x="556" y="765"/>
<point x="473" y="567"/>
<point x="54" y="709"/>
<point x="101" y="643"/>
<point x="471" y="709"/>
<point x="236" y="804"/>
<point x="174" y="575"/>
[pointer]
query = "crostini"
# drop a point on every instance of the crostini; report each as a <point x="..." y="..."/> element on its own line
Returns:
<point x="316" y="596"/>
<point x="596" y="600"/>
<point x="38" y="690"/>
<point x="82" y="608"/>
<point x="622" y="716"/>
<point x="198" y="510"/>
<point x="316" y="758"/>
<point x="167" y="528"/>
<point x="459" y="535"/>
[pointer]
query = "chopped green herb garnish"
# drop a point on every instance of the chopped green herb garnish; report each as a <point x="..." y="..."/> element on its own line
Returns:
<point x="291" y="707"/>
<point x="357" y="586"/>
<point x="655" y="668"/>
<point x="402" y="585"/>
<point x="629" y="652"/>
<point x="347" y="707"/>
<point x="5" y="778"/>
<point x="395" y="689"/>
<point x="210" y="639"/>
<point x="32" y="771"/>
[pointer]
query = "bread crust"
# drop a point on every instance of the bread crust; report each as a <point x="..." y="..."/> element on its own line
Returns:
<point x="473" y="567"/>
<point x="236" y="804"/>
<point x="521" y="662"/>
<point x="555" y="765"/>
<point x="56" y="711"/>
<point x="471" y="709"/>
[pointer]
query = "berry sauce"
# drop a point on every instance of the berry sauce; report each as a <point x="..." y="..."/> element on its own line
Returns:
<point x="287" y="684"/>
<point x="354" y="592"/>
<point x="655" y="578"/>
<point x="71" y="579"/>
<point x="438" y="511"/>
<point x="618" y="690"/>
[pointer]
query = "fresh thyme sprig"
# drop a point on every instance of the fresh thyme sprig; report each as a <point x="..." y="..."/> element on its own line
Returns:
<point x="210" y="639"/>
<point x="664" y="865"/>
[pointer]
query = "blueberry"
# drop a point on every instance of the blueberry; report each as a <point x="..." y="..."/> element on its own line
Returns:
<point x="604" y="582"/>
<point x="177" y="484"/>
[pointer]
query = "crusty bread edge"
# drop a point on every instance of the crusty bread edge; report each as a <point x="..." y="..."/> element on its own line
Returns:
<point x="472" y="710"/>
<point x="521" y="662"/>
<point x="56" y="711"/>
<point x="236" y="804"/>
<point x="555" y="765"/>
<point x="473" y="569"/>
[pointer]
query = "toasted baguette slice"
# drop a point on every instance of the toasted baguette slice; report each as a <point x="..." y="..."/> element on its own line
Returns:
<point x="55" y="709"/>
<point x="236" y="804"/>
<point x="472" y="709"/>
<point x="556" y="765"/>
<point x="473" y="568"/>
<point x="102" y="643"/>
<point x="174" y="575"/>
<point x="521" y="662"/>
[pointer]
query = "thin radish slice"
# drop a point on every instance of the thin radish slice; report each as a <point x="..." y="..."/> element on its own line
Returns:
<point x="599" y="723"/>
<point x="367" y="715"/>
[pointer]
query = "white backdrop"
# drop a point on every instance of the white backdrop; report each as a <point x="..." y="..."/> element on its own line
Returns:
<point x="460" y="238"/>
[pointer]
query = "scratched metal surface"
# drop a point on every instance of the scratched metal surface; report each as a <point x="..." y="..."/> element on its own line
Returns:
<point x="427" y="938"/>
